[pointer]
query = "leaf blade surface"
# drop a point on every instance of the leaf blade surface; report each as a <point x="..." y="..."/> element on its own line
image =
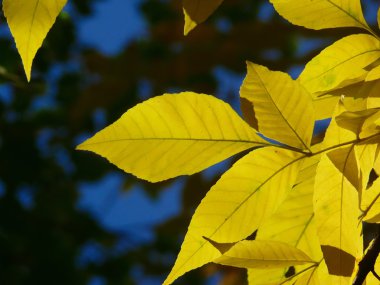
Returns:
<point x="231" y="209"/>
<point x="172" y="135"/>
<point x="29" y="22"/>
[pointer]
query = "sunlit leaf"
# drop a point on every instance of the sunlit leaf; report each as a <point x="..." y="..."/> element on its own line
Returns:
<point x="373" y="74"/>
<point x="371" y="126"/>
<point x="173" y="134"/>
<point x="371" y="203"/>
<point x="197" y="11"/>
<point x="360" y="96"/>
<point x="336" y="213"/>
<point x="308" y="13"/>
<point x="324" y="106"/>
<point x="232" y="209"/>
<point x="29" y="22"/>
<point x="341" y="63"/>
<point x="279" y="101"/>
<point x="292" y="223"/>
<point x="336" y="135"/>
<point x="365" y="153"/>
<point x="263" y="254"/>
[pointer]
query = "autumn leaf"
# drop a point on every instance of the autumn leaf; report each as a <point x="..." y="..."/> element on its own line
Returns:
<point x="29" y="22"/>
<point x="294" y="224"/>
<point x="263" y="254"/>
<point x="279" y="101"/>
<point x="229" y="212"/>
<point x="336" y="13"/>
<point x="340" y="64"/>
<point x="371" y="203"/>
<point x="172" y="135"/>
<point x="336" y="213"/>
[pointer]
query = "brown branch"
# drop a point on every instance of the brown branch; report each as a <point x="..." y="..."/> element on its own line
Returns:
<point x="367" y="264"/>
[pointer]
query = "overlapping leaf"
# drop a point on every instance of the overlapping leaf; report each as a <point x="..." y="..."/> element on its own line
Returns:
<point x="232" y="209"/>
<point x="308" y="13"/>
<point x="282" y="102"/>
<point x="340" y="64"/>
<point x="173" y="134"/>
<point x="294" y="224"/>
<point x="30" y="21"/>
<point x="373" y="74"/>
<point x="371" y="203"/>
<point x="336" y="213"/>
<point x="263" y="254"/>
<point x="197" y="11"/>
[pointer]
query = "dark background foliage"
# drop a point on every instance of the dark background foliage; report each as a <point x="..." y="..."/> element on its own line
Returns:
<point x="47" y="233"/>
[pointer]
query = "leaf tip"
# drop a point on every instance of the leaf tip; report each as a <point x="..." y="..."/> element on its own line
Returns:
<point x="190" y="24"/>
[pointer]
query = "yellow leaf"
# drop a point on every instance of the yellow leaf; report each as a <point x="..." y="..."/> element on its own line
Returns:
<point x="340" y="64"/>
<point x="373" y="74"/>
<point x="321" y="14"/>
<point x="336" y="135"/>
<point x="378" y="17"/>
<point x="173" y="134"/>
<point x="354" y="121"/>
<point x="263" y="254"/>
<point x="324" y="106"/>
<point x="371" y="203"/>
<point x="232" y="209"/>
<point x="365" y="153"/>
<point x="29" y="22"/>
<point x="197" y="11"/>
<point x="279" y="101"/>
<point x="293" y="223"/>
<point x="336" y="214"/>
<point x="376" y="166"/>
<point x="371" y="126"/>
<point x="360" y="96"/>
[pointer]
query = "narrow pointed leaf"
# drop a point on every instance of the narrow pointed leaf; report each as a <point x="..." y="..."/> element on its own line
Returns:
<point x="279" y="101"/>
<point x="197" y="11"/>
<point x="232" y="210"/>
<point x="336" y="215"/>
<point x="307" y="13"/>
<point x="341" y="63"/>
<point x="263" y="254"/>
<point x="29" y="22"/>
<point x="172" y="135"/>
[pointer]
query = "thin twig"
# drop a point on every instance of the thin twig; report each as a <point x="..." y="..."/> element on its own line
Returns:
<point x="367" y="264"/>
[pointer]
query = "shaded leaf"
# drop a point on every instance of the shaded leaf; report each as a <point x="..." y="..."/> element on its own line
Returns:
<point x="173" y="134"/>
<point x="29" y="22"/>
<point x="197" y="11"/>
